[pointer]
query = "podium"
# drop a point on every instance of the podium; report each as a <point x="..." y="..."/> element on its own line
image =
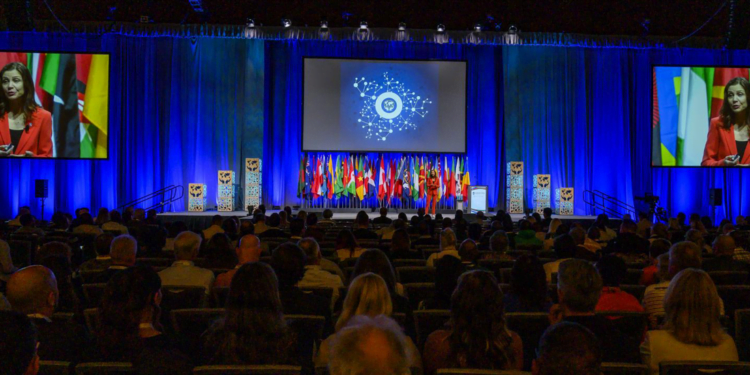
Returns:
<point x="226" y="191"/>
<point x="514" y="187"/>
<point x="564" y="201"/>
<point x="197" y="197"/>
<point x="541" y="193"/>
<point x="253" y="181"/>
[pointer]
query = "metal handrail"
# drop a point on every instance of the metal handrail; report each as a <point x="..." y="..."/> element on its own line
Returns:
<point x="602" y="204"/>
<point x="167" y="195"/>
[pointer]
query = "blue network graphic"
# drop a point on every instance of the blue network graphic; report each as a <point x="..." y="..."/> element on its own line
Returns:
<point x="388" y="106"/>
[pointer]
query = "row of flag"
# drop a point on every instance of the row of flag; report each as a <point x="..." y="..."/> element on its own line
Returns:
<point x="359" y="177"/>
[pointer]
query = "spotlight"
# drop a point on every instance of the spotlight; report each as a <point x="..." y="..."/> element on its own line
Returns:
<point x="478" y="27"/>
<point x="250" y="23"/>
<point x="402" y="26"/>
<point x="286" y="22"/>
<point x="324" y="25"/>
<point x="363" y="26"/>
<point x="440" y="28"/>
<point x="512" y="30"/>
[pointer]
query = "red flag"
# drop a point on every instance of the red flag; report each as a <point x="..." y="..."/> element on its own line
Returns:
<point x="345" y="178"/>
<point x="316" y="178"/>
<point x="381" y="180"/>
<point x="722" y="76"/>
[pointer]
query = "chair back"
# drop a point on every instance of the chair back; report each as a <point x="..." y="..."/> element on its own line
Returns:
<point x="633" y="277"/>
<point x="91" y="316"/>
<point x="408" y="262"/>
<point x="612" y="368"/>
<point x="105" y="368"/>
<point x="742" y="333"/>
<point x="55" y="368"/>
<point x="729" y="277"/>
<point x="219" y="296"/>
<point x="628" y="322"/>
<point x="248" y="370"/>
<point x="428" y="321"/>
<point x="703" y="367"/>
<point x="418" y="292"/>
<point x="636" y="290"/>
<point x="21" y="252"/>
<point x="94" y="293"/>
<point x="735" y="297"/>
<point x="420" y="274"/>
<point x="182" y="297"/>
<point x="530" y="326"/>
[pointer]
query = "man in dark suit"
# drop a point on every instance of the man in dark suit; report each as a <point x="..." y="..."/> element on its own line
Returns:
<point x="383" y="218"/>
<point x="122" y="253"/>
<point x="19" y="340"/>
<point x="33" y="291"/>
<point x="362" y="228"/>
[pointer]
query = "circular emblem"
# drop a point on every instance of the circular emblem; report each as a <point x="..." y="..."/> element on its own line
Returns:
<point x="389" y="105"/>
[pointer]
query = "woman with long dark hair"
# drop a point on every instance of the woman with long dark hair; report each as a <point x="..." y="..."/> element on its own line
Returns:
<point x="25" y="127"/>
<point x="478" y="337"/>
<point x="346" y="245"/>
<point x="728" y="133"/>
<point x="528" y="287"/>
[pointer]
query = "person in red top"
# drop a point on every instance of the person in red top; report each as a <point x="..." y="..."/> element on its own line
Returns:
<point x="25" y="128"/>
<point x="612" y="270"/>
<point x="729" y="132"/>
<point x="650" y="275"/>
<point x="432" y="190"/>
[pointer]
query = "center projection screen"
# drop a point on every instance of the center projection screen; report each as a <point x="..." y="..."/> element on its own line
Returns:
<point x="384" y="106"/>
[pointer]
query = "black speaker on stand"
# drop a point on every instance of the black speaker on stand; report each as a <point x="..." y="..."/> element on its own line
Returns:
<point x="714" y="199"/>
<point x="41" y="191"/>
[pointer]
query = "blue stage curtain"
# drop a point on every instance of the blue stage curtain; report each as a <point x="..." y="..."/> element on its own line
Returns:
<point x="283" y="131"/>
<point x="180" y="110"/>
<point x="583" y="115"/>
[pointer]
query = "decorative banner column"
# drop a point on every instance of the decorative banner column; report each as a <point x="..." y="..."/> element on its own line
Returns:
<point x="226" y="191"/>
<point x="564" y="201"/>
<point x="197" y="197"/>
<point x="541" y="192"/>
<point x="253" y="181"/>
<point x="514" y="188"/>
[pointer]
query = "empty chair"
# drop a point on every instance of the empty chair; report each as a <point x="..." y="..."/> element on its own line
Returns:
<point x="249" y="370"/>
<point x="613" y="368"/>
<point x="408" y="275"/>
<point x="428" y="321"/>
<point x="105" y="368"/>
<point x="417" y="292"/>
<point x="55" y="368"/>
<point x="729" y="277"/>
<point x="699" y="367"/>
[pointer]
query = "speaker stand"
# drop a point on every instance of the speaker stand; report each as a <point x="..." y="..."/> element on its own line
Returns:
<point x="42" y="215"/>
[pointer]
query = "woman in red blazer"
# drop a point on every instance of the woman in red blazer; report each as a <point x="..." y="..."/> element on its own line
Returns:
<point x="729" y="132"/>
<point x="25" y="128"/>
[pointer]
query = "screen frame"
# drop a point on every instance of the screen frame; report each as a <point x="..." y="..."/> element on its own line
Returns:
<point x="466" y="103"/>
<point x="109" y="112"/>
<point x="651" y="136"/>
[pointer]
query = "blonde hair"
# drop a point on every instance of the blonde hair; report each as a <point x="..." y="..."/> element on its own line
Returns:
<point x="368" y="295"/>
<point x="692" y="309"/>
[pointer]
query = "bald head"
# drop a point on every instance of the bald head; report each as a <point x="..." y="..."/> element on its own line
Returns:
<point x="123" y="250"/>
<point x="369" y="346"/>
<point x="248" y="250"/>
<point x="724" y="245"/>
<point x="33" y="290"/>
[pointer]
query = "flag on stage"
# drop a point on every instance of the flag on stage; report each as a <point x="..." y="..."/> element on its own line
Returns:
<point x="316" y="177"/>
<point x="339" y="185"/>
<point x="415" y="178"/>
<point x="345" y="178"/>
<point x="351" y="186"/>
<point x="308" y="179"/>
<point x="392" y="179"/>
<point x="366" y="175"/>
<point x="371" y="188"/>
<point x="301" y="177"/>
<point x="466" y="180"/>
<point x="322" y="177"/>
<point x="693" y="120"/>
<point x="60" y="81"/>
<point x="398" y="189"/>
<point x="722" y="76"/>
<point x="381" y="180"/>
<point x="441" y="188"/>
<point x="457" y="179"/>
<point x="407" y="180"/>
<point x="95" y="108"/>
<point x="330" y="177"/>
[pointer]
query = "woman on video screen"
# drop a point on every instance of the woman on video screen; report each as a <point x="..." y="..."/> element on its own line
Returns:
<point x="728" y="133"/>
<point x="25" y="128"/>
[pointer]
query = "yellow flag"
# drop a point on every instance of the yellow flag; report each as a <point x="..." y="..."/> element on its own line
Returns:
<point x="96" y="106"/>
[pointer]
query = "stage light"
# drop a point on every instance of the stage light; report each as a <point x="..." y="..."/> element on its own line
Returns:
<point x="512" y="30"/>
<point x="402" y="26"/>
<point x="286" y="22"/>
<point x="250" y="23"/>
<point x="363" y="26"/>
<point x="440" y="28"/>
<point x="478" y="27"/>
<point x="324" y="25"/>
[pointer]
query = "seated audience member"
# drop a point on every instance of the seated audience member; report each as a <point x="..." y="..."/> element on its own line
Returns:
<point x="33" y="291"/>
<point x="581" y="251"/>
<point x="173" y="230"/>
<point x="215" y="227"/>
<point x="284" y="217"/>
<point x="628" y="243"/>
<point x="315" y="276"/>
<point x="658" y="247"/>
<point x="447" y="247"/>
<point x="468" y="251"/>
<point x="115" y="223"/>
<point x="102" y="243"/>
<point x="578" y="290"/>
<point x="659" y="231"/>
<point x="273" y="230"/>
<point x="102" y="217"/>
<point x="6" y="262"/>
<point x="606" y="233"/>
<point x="477" y="318"/>
<point x="383" y="218"/>
<point x="386" y="232"/>
<point x="401" y="246"/>
<point x="723" y="261"/>
<point x="219" y="252"/>
<point x="183" y="271"/>
<point x="346" y="245"/>
<point x="526" y="238"/>
<point x="59" y="222"/>
<point x="742" y="240"/>
<point x="447" y="272"/>
<point x="327" y="219"/>
<point x="86" y="225"/>
<point x="643" y="227"/>
<point x="557" y="228"/>
<point x="28" y="226"/>
<point x="253" y="330"/>
<point x="361" y="229"/>
<point x="545" y="222"/>
<point x="288" y="261"/>
<point x="260" y="223"/>
<point x="122" y="252"/>
<point x="18" y="340"/>
<point x="229" y="226"/>
<point x="248" y="251"/>
<point x="312" y="229"/>
<point x="697" y="237"/>
<point x="369" y="346"/>
<point x="246" y="227"/>
<point x="296" y="229"/>
<point x="424" y="235"/>
<point x="310" y="246"/>
<point x="528" y="287"/>
<point x="498" y="246"/>
<point x="16" y="222"/>
<point x="376" y="262"/>
<point x="692" y="330"/>
<point x="565" y="248"/>
<point x="70" y="291"/>
<point x="682" y="255"/>
<point x="367" y="295"/>
<point x="613" y="270"/>
<point x="568" y="349"/>
<point x="130" y="328"/>
<point x="592" y="241"/>
<point x="484" y="241"/>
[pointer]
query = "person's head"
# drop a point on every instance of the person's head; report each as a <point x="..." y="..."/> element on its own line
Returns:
<point x="735" y="100"/>
<point x="528" y="282"/>
<point x="568" y="348"/>
<point x="302" y="215"/>
<point x="564" y="246"/>
<point x="219" y="244"/>
<point x="18" y="88"/>
<point x="692" y="308"/>
<point x="423" y="228"/>
<point x="362" y="221"/>
<point x="259" y="217"/>
<point x="524" y="224"/>
<point x="477" y="318"/>
<point x="578" y="286"/>
<point x="103" y="216"/>
<point x="86" y="219"/>
<point x="312" y="219"/>
<point x="253" y="302"/>
<point x="248" y="249"/>
<point x="345" y="240"/>
<point x="594" y="233"/>
<point x="115" y="216"/>
<point x="27" y="220"/>
<point x="741" y="238"/>
<point x="383" y="212"/>
<point x="102" y="244"/>
<point x="658" y="247"/>
<point x="369" y="346"/>
<point x="262" y="208"/>
<point x="131" y="297"/>
<point x="420" y="212"/>
<point x="400" y="241"/>
<point x="367" y="295"/>
<point x="288" y="261"/>
<point x="468" y="251"/>
<point x="229" y="226"/>
<point x="695" y="236"/>
<point x="216" y="220"/>
<point x="447" y="223"/>
<point x="707" y="223"/>
<point x="60" y="221"/>
<point x="447" y="272"/>
<point x="288" y="211"/>
<point x="33" y="290"/>
<point x="547" y="212"/>
<point x="724" y="245"/>
<point x="246" y="227"/>
<point x="123" y="250"/>
<point x="447" y="239"/>
<point x="186" y="246"/>
<point x="628" y="226"/>
<point x="578" y="235"/>
<point x="297" y="227"/>
<point x="402" y="216"/>
<point x="139" y="214"/>
<point x="684" y="255"/>
<point x="274" y="220"/>
<point x="499" y="242"/>
<point x="18" y="344"/>
<point x="327" y="214"/>
<point x="375" y="261"/>
<point x="433" y="173"/>
<point x="612" y="269"/>
<point x="681" y="218"/>
<point x="311" y="249"/>
<point x="660" y="230"/>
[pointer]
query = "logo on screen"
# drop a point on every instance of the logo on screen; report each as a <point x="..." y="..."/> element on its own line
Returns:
<point x="389" y="107"/>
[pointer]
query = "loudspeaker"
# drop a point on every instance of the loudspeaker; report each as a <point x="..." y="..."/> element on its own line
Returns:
<point x="714" y="197"/>
<point x="40" y="188"/>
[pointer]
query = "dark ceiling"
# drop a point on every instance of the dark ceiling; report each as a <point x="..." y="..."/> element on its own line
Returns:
<point x="624" y="17"/>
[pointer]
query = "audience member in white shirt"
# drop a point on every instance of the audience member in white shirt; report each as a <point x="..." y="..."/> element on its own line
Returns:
<point x="447" y="247"/>
<point x="183" y="271"/>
